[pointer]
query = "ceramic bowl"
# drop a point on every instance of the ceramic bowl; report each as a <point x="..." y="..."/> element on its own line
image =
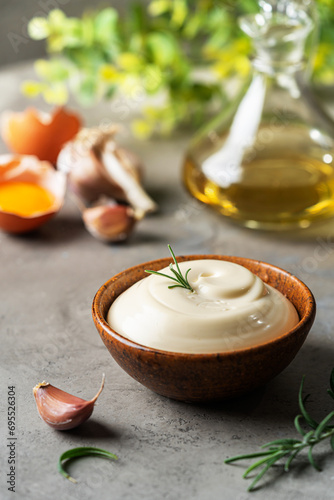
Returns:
<point x="206" y="377"/>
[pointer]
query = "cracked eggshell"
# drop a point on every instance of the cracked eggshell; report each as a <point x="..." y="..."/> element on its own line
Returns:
<point x="32" y="132"/>
<point x="30" y="169"/>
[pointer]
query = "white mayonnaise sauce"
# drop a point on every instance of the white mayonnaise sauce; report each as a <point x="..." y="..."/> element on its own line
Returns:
<point x="230" y="308"/>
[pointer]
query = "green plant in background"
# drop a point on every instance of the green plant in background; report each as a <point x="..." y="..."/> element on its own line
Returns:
<point x="155" y="51"/>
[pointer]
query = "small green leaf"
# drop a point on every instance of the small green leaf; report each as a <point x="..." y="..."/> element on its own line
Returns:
<point x="331" y="381"/>
<point x="162" y="48"/>
<point x="52" y="70"/>
<point x="290" y="459"/>
<point x="311" y="459"/>
<point x="298" y="426"/>
<point x="311" y="422"/>
<point x="308" y="436"/>
<point x="180" y="11"/>
<point x="264" y="470"/>
<point x="87" y="90"/>
<point x="159" y="7"/>
<point x="106" y="26"/>
<point x="281" y="443"/>
<point x="180" y="280"/>
<point x="247" y="456"/>
<point x="323" y="425"/>
<point x="83" y="451"/>
<point x="272" y="458"/>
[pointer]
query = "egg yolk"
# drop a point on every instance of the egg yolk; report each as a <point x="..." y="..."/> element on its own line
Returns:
<point x="25" y="198"/>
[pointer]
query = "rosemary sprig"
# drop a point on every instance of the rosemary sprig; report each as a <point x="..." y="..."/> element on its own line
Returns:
<point x="290" y="448"/>
<point x="82" y="451"/>
<point x="181" y="281"/>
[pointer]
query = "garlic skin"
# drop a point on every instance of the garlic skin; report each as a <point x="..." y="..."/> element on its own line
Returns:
<point x="97" y="166"/>
<point x="59" y="409"/>
<point x="110" y="222"/>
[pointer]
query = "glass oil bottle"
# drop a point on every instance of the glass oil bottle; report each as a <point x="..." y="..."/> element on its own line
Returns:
<point x="268" y="161"/>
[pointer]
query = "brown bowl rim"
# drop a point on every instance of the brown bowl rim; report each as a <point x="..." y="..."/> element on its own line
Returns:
<point x="99" y="319"/>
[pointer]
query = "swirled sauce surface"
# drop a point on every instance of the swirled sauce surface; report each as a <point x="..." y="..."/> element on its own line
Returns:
<point x="230" y="308"/>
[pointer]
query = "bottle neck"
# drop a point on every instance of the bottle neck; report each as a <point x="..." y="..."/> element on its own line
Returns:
<point x="276" y="68"/>
<point x="279" y="40"/>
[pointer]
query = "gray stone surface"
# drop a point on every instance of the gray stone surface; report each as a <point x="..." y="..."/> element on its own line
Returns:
<point x="167" y="450"/>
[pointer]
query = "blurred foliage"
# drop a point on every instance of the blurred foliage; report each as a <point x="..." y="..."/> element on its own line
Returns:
<point x="155" y="51"/>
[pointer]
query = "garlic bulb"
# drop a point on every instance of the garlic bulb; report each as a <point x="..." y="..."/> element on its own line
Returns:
<point x="60" y="409"/>
<point x="97" y="166"/>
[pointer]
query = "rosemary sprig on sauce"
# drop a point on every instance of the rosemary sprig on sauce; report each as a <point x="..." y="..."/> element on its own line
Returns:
<point x="290" y="448"/>
<point x="181" y="281"/>
<point x="82" y="451"/>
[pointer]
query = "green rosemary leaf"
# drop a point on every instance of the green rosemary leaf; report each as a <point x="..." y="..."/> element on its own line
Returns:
<point x="82" y="451"/>
<point x="290" y="448"/>
<point x="247" y="456"/>
<point x="178" y="276"/>
<point x="281" y="443"/>
<point x="307" y="437"/>
<point x="265" y="469"/>
<point x="291" y="458"/>
<point x="160" y="274"/>
<point x="257" y="464"/>
<point x="298" y="426"/>
<point x="182" y="281"/>
<point x="311" y="459"/>
<point x="323" y="425"/>
<point x="186" y="275"/>
<point x="331" y="382"/>
<point x="174" y="259"/>
<point x="311" y="422"/>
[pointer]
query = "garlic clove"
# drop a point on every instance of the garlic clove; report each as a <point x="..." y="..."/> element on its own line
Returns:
<point x="110" y="222"/>
<point x="97" y="166"/>
<point x="61" y="410"/>
<point x="116" y="164"/>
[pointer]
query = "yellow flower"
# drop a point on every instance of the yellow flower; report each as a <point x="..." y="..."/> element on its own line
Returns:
<point x="231" y="60"/>
<point x="141" y="129"/>
<point x="32" y="89"/>
<point x="324" y="50"/>
<point x="109" y="73"/>
<point x="129" y="61"/>
<point x="242" y="45"/>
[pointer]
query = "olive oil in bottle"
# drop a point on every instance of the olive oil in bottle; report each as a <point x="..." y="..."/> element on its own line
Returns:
<point x="286" y="185"/>
<point x="268" y="161"/>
